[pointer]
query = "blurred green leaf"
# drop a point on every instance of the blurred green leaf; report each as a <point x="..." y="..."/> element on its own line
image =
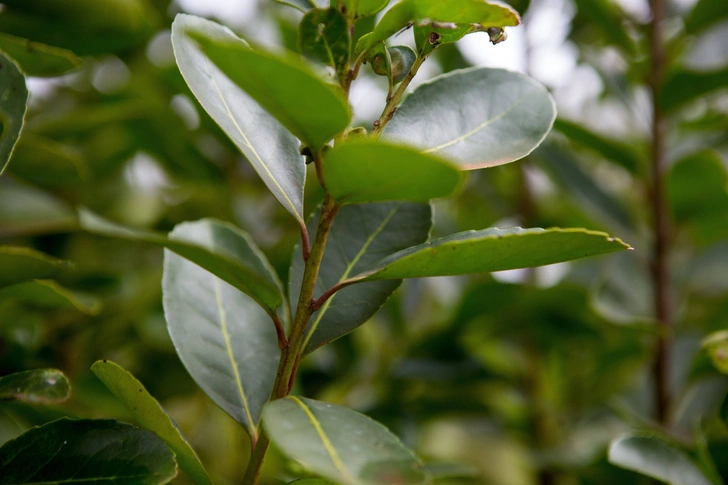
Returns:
<point x="457" y="12"/>
<point x="225" y="340"/>
<point x="25" y="210"/>
<point x="271" y="150"/>
<point x="683" y="86"/>
<point x="13" y="102"/>
<point x="324" y="36"/>
<point x="362" y="8"/>
<point x="150" y="415"/>
<point x="608" y="17"/>
<point x="716" y="344"/>
<point x="706" y="13"/>
<point x="36" y="59"/>
<point x="42" y="386"/>
<point x="86" y="451"/>
<point x="450" y="116"/>
<point x="47" y="163"/>
<point x="491" y="250"/>
<point x="368" y="171"/>
<point x="310" y="481"/>
<point x="361" y="234"/>
<point x="51" y="295"/>
<point x="340" y="444"/>
<point x="25" y="264"/>
<point x="219" y="247"/>
<point x="302" y="5"/>
<point x="310" y="108"/>
<point x="724" y="410"/>
<point x="654" y="458"/>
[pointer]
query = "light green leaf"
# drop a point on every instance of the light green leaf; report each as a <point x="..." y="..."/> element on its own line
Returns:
<point x="45" y="162"/>
<point x="683" y="86"/>
<point x="324" y="36"/>
<point x="706" y="13"/>
<point x="369" y="171"/>
<point x="270" y="148"/>
<point x="86" y="452"/>
<point x="150" y="415"/>
<point x="13" y="102"/>
<point x="219" y="247"/>
<point x="491" y="250"/>
<point x="340" y="444"/>
<point x="36" y="59"/>
<point x="43" y="386"/>
<point x="459" y="12"/>
<point x="49" y="294"/>
<point x="24" y="264"/>
<point x="225" y="340"/>
<point x="477" y="117"/>
<point x="654" y="458"/>
<point x="360" y="236"/>
<point x="363" y="8"/>
<point x="310" y="108"/>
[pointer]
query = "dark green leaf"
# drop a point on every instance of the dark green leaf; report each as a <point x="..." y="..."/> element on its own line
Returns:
<point x="219" y="247"/>
<point x="362" y="8"/>
<point x="310" y="481"/>
<point x="724" y="410"/>
<point x="360" y="236"/>
<point x="491" y="250"/>
<point x="49" y="294"/>
<point x="225" y="340"/>
<point x="654" y="458"/>
<point x="310" y="108"/>
<point x="609" y="19"/>
<point x="683" y="86"/>
<point x="24" y="264"/>
<point x="324" y="36"/>
<point x="478" y="117"/>
<point x="86" y="452"/>
<point x="303" y="5"/>
<point x="13" y="101"/>
<point x="716" y="344"/>
<point x="150" y="415"/>
<point x="268" y="146"/>
<point x="368" y="171"/>
<point x="26" y="210"/>
<point x="340" y="444"/>
<point x="706" y="13"/>
<point x="462" y="12"/>
<point x="44" y="386"/>
<point x="36" y="59"/>
<point x="47" y="163"/>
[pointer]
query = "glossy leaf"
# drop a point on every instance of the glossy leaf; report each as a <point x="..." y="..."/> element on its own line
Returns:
<point x="362" y="8"/>
<point x="654" y="458"/>
<point x="86" y="452"/>
<point x="42" y="386"/>
<point x="477" y="117"/>
<point x="298" y="98"/>
<point x="360" y="236"/>
<point x="340" y="444"/>
<point x="150" y="415"/>
<point x="324" y="36"/>
<point x="49" y="294"/>
<point x="467" y="12"/>
<point x="268" y="146"/>
<point x="24" y="264"/>
<point x="706" y="13"/>
<point x="219" y="247"/>
<point x="683" y="86"/>
<point x="367" y="171"/>
<point x="13" y="102"/>
<point x="492" y="250"/>
<point x="225" y="340"/>
<point x="36" y="59"/>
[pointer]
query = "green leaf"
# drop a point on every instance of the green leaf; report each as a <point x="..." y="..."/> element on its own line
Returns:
<point x="369" y="171"/>
<point x="706" y="13"/>
<point x="303" y="5"/>
<point x="13" y="102"/>
<point x="606" y="16"/>
<point x="716" y="344"/>
<point x="477" y="117"/>
<point x="219" y="247"/>
<point x="324" y="36"/>
<point x="86" y="452"/>
<point x="491" y="250"/>
<point x="724" y="410"/>
<point x="24" y="264"/>
<point x="654" y="458"/>
<point x="26" y="210"/>
<point x="363" y="8"/>
<point x="612" y="150"/>
<point x="310" y="481"/>
<point x="49" y="294"/>
<point x="459" y="12"/>
<point x="683" y="86"/>
<point x="45" y="162"/>
<point x="272" y="151"/>
<point x="150" y="415"/>
<point x="401" y="58"/>
<point x="36" y="59"/>
<point x="360" y="236"/>
<point x="225" y="340"/>
<point x="340" y="444"/>
<point x="44" y="386"/>
<point x="298" y="98"/>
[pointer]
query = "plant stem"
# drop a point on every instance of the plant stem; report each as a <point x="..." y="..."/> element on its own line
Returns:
<point x="661" y="220"/>
<point x="394" y="100"/>
<point x="290" y="355"/>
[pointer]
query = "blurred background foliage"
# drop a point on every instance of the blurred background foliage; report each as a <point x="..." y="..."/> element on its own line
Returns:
<point x="525" y="376"/>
